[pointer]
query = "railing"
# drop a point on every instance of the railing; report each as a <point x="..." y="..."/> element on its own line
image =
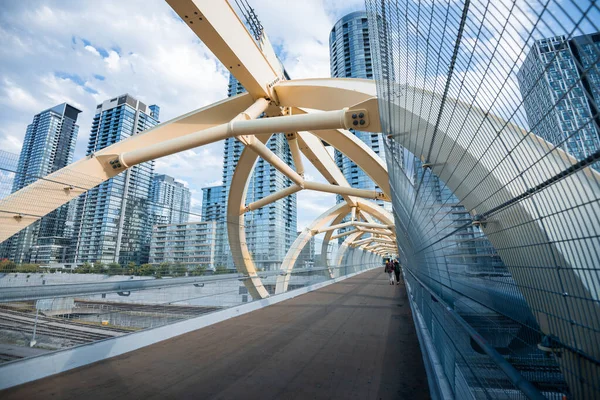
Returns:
<point x="46" y="311"/>
<point x="496" y="187"/>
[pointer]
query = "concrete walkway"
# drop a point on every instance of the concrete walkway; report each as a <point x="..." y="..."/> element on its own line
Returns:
<point x="351" y="340"/>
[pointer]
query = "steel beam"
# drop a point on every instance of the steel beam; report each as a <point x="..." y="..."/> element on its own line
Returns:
<point x="339" y="235"/>
<point x="292" y="139"/>
<point x="349" y="191"/>
<point x="262" y="150"/>
<point x="218" y="26"/>
<point x="272" y="198"/>
<point x="244" y="124"/>
<point x="47" y="194"/>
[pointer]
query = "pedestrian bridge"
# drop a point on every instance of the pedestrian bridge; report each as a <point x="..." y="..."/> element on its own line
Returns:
<point x="491" y="171"/>
<point x="351" y="339"/>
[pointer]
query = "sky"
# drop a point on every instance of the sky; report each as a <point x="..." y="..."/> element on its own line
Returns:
<point x="85" y="52"/>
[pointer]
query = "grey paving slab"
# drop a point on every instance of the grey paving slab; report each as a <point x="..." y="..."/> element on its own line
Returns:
<point x="351" y="340"/>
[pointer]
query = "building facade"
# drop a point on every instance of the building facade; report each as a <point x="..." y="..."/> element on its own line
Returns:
<point x="111" y="221"/>
<point x="306" y="258"/>
<point x="8" y="169"/>
<point x="560" y="86"/>
<point x="191" y="245"/>
<point x="350" y="57"/>
<point x="48" y="146"/>
<point x="271" y="230"/>
<point x="169" y="201"/>
<point x="214" y="207"/>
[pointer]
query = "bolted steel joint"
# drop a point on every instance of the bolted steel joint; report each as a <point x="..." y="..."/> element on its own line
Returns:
<point x="247" y="140"/>
<point x="357" y="119"/>
<point x="116" y="164"/>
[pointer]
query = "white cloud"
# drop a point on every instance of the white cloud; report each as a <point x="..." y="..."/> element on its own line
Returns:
<point x="17" y="97"/>
<point x="86" y="52"/>
<point x="92" y="50"/>
<point x="301" y="29"/>
<point x="312" y="204"/>
<point x="112" y="61"/>
<point x="10" y="143"/>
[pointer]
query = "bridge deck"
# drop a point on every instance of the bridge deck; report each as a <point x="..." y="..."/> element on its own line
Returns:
<point x="352" y="339"/>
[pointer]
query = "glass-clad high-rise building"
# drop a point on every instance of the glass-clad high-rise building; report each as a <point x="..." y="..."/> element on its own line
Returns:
<point x="170" y="201"/>
<point x="48" y="146"/>
<point x="8" y="168"/>
<point x="560" y="86"/>
<point x="270" y="230"/>
<point x="350" y="57"/>
<point x="111" y="223"/>
<point x="214" y="207"/>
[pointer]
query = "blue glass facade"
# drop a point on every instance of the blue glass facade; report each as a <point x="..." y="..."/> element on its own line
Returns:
<point x="560" y="85"/>
<point x="111" y="223"/>
<point x="170" y="201"/>
<point x="8" y="168"/>
<point x="214" y="207"/>
<point x="49" y="145"/>
<point x="350" y="57"/>
<point x="271" y="230"/>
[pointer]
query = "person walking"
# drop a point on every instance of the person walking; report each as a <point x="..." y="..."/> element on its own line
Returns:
<point x="397" y="271"/>
<point x="389" y="268"/>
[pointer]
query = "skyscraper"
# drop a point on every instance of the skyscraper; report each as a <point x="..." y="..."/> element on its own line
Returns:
<point x="8" y="169"/>
<point x="111" y="223"/>
<point x="560" y="86"/>
<point x="170" y="201"/>
<point x="214" y="207"/>
<point x="270" y="230"/>
<point x="49" y="145"/>
<point x="350" y="57"/>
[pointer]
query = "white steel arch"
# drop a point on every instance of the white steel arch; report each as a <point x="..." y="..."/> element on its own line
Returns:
<point x="327" y="222"/>
<point x="501" y="173"/>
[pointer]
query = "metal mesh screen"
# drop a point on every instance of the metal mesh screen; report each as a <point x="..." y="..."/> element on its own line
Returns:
<point x="493" y="141"/>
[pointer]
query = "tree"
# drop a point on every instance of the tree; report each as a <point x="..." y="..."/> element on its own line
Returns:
<point x="98" y="268"/>
<point x="85" y="268"/>
<point x="114" y="268"/>
<point x="163" y="269"/>
<point x="132" y="268"/>
<point x="146" y="270"/>
<point x="220" y="269"/>
<point x="178" y="269"/>
<point x="198" y="270"/>
<point x="7" y="266"/>
<point x="29" y="268"/>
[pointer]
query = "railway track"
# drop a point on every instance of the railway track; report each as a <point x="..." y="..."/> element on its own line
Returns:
<point x="150" y="308"/>
<point x="73" y="332"/>
<point x="40" y="331"/>
<point x="8" y="357"/>
<point x="76" y="332"/>
<point x="30" y="318"/>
